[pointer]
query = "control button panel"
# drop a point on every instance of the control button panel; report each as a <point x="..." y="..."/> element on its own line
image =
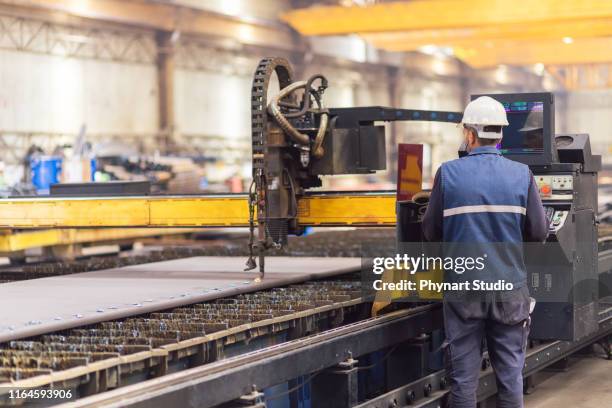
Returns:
<point x="544" y="184"/>
<point x="555" y="186"/>
<point x="562" y="182"/>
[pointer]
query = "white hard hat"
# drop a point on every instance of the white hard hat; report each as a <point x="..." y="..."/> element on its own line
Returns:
<point x="485" y="111"/>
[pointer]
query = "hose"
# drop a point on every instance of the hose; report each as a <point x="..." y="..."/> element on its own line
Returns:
<point x="308" y="92"/>
<point x="317" y="149"/>
<point x="278" y="116"/>
<point x="294" y="134"/>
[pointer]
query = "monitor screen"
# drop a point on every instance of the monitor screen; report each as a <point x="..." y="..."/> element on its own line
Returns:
<point x="525" y="132"/>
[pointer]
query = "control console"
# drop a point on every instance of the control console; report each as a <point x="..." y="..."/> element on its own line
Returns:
<point x="563" y="271"/>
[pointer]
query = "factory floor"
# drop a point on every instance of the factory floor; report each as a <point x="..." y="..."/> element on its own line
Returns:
<point x="586" y="384"/>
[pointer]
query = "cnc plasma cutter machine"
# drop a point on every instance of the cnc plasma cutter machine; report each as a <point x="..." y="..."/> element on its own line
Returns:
<point x="297" y="140"/>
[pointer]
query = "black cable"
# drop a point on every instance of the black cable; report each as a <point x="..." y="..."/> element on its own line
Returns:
<point x="297" y="387"/>
<point x="293" y="193"/>
<point x="369" y="367"/>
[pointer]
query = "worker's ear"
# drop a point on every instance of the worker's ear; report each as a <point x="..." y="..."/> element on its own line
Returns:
<point x="471" y="138"/>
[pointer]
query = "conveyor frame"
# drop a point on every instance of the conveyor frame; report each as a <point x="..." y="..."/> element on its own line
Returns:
<point x="223" y="381"/>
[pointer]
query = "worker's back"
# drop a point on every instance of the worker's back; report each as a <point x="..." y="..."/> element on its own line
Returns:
<point x="482" y="207"/>
<point x="484" y="203"/>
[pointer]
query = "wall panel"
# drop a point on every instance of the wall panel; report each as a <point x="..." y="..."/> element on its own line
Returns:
<point x="45" y="93"/>
<point x="213" y="103"/>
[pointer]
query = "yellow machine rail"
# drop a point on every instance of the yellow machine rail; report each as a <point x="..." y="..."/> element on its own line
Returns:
<point x="13" y="241"/>
<point x="320" y="209"/>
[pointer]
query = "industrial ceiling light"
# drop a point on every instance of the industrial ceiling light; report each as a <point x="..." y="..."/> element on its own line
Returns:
<point x="359" y="3"/>
<point x="436" y="50"/>
<point x="568" y="40"/>
<point x="501" y="74"/>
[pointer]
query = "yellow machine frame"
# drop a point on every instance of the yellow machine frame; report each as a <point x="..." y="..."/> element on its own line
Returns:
<point x="322" y="209"/>
<point x="14" y="241"/>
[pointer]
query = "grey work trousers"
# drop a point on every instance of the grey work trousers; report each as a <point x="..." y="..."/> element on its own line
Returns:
<point x="500" y="318"/>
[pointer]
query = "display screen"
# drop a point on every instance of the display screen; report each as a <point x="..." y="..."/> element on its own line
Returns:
<point x="525" y="132"/>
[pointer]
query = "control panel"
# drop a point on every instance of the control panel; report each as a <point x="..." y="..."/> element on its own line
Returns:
<point x="555" y="186"/>
<point x="563" y="271"/>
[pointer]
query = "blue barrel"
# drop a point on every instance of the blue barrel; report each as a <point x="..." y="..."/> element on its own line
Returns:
<point x="45" y="171"/>
<point x="94" y="166"/>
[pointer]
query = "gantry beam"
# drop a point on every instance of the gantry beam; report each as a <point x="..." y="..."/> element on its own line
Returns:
<point x="549" y="52"/>
<point x="331" y="209"/>
<point x="553" y="51"/>
<point x="482" y="33"/>
<point x="465" y="36"/>
<point x="440" y="14"/>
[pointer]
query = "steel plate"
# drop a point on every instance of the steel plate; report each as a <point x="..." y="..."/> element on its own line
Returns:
<point x="39" y="306"/>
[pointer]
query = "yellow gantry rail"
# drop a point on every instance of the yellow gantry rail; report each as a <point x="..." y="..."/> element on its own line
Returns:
<point x="323" y="209"/>
<point x="14" y="241"/>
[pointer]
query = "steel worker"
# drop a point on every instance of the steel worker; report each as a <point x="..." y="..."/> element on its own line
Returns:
<point x="487" y="203"/>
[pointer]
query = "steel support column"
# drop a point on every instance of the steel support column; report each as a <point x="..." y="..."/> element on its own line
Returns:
<point x="165" y="78"/>
<point x="395" y="88"/>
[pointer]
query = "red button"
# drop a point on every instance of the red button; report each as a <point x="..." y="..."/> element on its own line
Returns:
<point x="545" y="189"/>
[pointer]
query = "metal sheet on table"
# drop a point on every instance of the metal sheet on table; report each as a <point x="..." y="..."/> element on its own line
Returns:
<point x="37" y="306"/>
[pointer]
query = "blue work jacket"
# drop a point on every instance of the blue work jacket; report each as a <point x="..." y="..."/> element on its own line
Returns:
<point x="485" y="205"/>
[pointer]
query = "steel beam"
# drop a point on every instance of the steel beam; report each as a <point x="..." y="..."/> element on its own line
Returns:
<point x="552" y="51"/>
<point x="413" y="40"/>
<point x="329" y="209"/>
<point x="481" y="33"/>
<point x="430" y="390"/>
<point x="365" y="209"/>
<point x="440" y="14"/>
<point x="165" y="79"/>
<point x="423" y="391"/>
